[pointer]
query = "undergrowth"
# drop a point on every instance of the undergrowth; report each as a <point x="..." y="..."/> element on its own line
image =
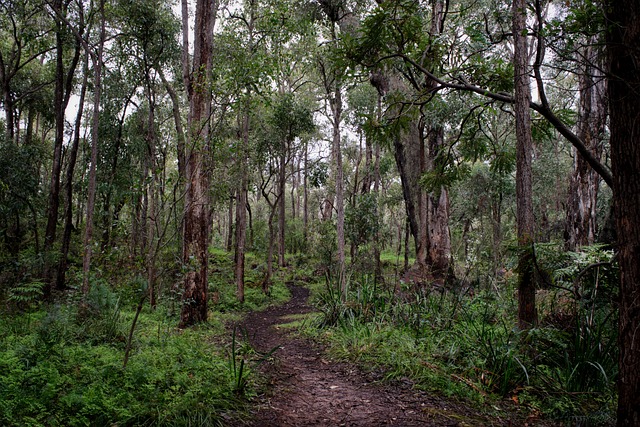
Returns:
<point x="465" y="343"/>
<point x="60" y="366"/>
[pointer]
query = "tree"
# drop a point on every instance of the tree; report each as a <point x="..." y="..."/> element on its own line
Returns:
<point x="97" y="59"/>
<point x="25" y="42"/>
<point x="623" y="38"/>
<point x="527" y="316"/>
<point x="581" y="227"/>
<point x="195" y="255"/>
<point x="62" y="94"/>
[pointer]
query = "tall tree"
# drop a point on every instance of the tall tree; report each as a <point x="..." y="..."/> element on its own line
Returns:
<point x="584" y="182"/>
<point x="68" y="183"/>
<point x="437" y="202"/>
<point x="62" y="94"/>
<point x="623" y="39"/>
<point x="97" y="59"/>
<point x="195" y="255"/>
<point x="527" y="316"/>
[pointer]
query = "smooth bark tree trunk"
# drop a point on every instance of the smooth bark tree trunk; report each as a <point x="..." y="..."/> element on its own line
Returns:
<point x="623" y="39"/>
<point x="195" y="254"/>
<point x="339" y="179"/>
<point x="527" y="316"/>
<point x="92" y="184"/>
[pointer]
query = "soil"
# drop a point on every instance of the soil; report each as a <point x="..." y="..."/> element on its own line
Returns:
<point x="306" y="388"/>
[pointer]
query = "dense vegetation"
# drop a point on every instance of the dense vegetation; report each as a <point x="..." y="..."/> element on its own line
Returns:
<point x="456" y="180"/>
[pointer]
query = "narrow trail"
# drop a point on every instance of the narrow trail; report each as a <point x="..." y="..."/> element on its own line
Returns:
<point x="306" y="388"/>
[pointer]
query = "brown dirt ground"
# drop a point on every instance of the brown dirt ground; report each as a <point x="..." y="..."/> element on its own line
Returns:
<point x="307" y="388"/>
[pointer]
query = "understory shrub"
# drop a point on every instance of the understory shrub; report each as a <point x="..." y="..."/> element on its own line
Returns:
<point x="467" y="344"/>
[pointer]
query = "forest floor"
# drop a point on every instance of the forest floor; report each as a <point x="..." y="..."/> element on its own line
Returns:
<point x="306" y="388"/>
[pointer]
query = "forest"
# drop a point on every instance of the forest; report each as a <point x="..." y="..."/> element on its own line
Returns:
<point x="319" y="212"/>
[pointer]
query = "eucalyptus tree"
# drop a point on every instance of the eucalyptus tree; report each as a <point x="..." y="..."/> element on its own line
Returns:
<point x="575" y="38"/>
<point x="413" y="124"/>
<point x="97" y="60"/>
<point x="527" y="316"/>
<point x="72" y="155"/>
<point x="339" y="22"/>
<point x="197" y="218"/>
<point x="64" y="85"/>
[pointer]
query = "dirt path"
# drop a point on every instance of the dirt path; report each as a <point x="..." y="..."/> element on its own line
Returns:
<point x="306" y="388"/>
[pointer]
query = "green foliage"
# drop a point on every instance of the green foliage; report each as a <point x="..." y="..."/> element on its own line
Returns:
<point x="26" y="294"/>
<point x="362" y="221"/>
<point x="52" y="375"/>
<point x="295" y="242"/>
<point x="466" y="344"/>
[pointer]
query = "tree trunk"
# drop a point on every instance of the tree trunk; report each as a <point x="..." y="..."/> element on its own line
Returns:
<point x="584" y="181"/>
<point x="439" y="237"/>
<point x="241" y="236"/>
<point x="376" y="190"/>
<point x="62" y="92"/>
<point x="407" y="193"/>
<point x="623" y="40"/>
<point x="282" y="180"/>
<point x="152" y="222"/>
<point x="527" y="316"/>
<point x="241" y="206"/>
<point x="229" y="244"/>
<point x="305" y="199"/>
<point x="92" y="185"/>
<point x="71" y="164"/>
<point x="195" y="255"/>
<point x="177" y="119"/>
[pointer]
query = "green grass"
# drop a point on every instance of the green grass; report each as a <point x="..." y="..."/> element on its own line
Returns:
<point x="468" y="347"/>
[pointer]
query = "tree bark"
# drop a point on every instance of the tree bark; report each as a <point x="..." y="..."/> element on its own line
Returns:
<point x="584" y="182"/>
<point x="305" y="197"/>
<point x="62" y="94"/>
<point x="229" y="243"/>
<point x="92" y="185"/>
<point x="68" y="188"/>
<point x="282" y="181"/>
<point x="527" y="316"/>
<point x="195" y="255"/>
<point x="623" y="39"/>
<point x="241" y="236"/>
<point x="241" y="204"/>
<point x="437" y="205"/>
